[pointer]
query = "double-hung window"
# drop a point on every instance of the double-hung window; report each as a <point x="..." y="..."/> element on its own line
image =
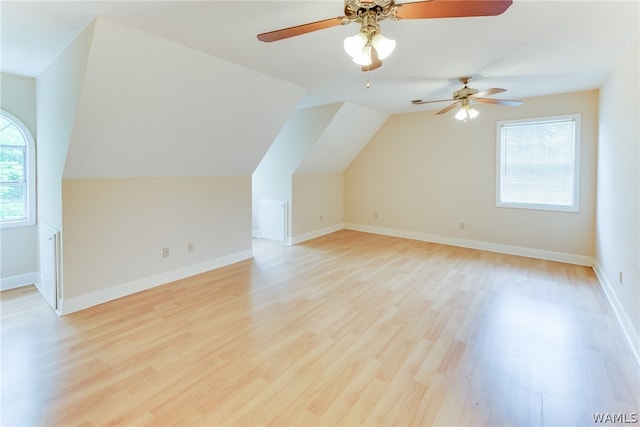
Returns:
<point x="17" y="172"/>
<point x="538" y="162"/>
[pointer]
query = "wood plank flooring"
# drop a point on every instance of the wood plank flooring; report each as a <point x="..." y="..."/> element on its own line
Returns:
<point x="348" y="329"/>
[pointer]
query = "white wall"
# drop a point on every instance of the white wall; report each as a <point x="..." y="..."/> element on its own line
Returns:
<point x="340" y="142"/>
<point x="318" y="205"/>
<point x="58" y="91"/>
<point x="172" y="131"/>
<point x="151" y="107"/>
<point x="116" y="229"/>
<point x="422" y="175"/>
<point x="618" y="212"/>
<point x="272" y="179"/>
<point x="19" y="245"/>
<point x="317" y="145"/>
<point x="18" y="97"/>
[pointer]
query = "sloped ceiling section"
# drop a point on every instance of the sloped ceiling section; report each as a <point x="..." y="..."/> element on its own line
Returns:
<point x="151" y="107"/>
<point x="297" y="137"/>
<point x="343" y="138"/>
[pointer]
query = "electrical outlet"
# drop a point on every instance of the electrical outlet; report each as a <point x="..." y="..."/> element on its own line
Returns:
<point x="165" y="252"/>
<point x="462" y="226"/>
<point x="375" y="215"/>
<point x="190" y="247"/>
<point x="321" y="218"/>
<point x="620" y="277"/>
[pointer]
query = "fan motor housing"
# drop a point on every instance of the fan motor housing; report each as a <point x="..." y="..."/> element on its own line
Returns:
<point x="464" y="93"/>
<point x="354" y="8"/>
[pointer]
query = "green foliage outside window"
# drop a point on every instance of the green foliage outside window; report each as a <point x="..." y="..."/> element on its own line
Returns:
<point x="13" y="200"/>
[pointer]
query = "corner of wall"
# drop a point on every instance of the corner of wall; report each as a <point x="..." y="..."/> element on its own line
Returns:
<point x="18" y="281"/>
<point x="71" y="305"/>
<point x="625" y="322"/>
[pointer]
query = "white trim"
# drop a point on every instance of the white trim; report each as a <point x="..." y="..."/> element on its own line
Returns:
<point x="477" y="244"/>
<point x="256" y="233"/>
<point x="71" y="305"/>
<point x="625" y="323"/>
<point x="18" y="281"/>
<point x="30" y="165"/>
<point x="293" y="240"/>
<point x="49" y="276"/>
<point x="574" y="206"/>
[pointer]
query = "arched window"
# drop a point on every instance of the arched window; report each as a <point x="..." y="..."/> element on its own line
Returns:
<point x="17" y="173"/>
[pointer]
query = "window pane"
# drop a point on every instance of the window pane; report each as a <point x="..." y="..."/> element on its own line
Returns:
<point x="13" y="202"/>
<point x="537" y="163"/>
<point x="17" y="184"/>
<point x="9" y="133"/>
<point x="11" y="164"/>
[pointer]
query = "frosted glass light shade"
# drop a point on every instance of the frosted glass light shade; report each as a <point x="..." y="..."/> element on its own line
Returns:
<point x="353" y="45"/>
<point x="363" y="57"/>
<point x="383" y="45"/>
<point x="466" y="112"/>
<point x="461" y="114"/>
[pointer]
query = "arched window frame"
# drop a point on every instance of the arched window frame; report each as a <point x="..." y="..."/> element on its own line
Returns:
<point x="30" y="174"/>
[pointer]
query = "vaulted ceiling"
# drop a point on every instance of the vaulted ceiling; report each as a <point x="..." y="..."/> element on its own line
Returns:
<point x="535" y="48"/>
<point x="149" y="107"/>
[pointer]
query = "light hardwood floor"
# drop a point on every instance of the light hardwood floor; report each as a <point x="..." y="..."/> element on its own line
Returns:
<point x="347" y="329"/>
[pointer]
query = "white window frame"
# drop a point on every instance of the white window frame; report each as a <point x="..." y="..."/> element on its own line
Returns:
<point x="30" y="173"/>
<point x="574" y="205"/>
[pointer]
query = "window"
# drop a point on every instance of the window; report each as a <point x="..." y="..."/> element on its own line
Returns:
<point x="538" y="163"/>
<point x="17" y="172"/>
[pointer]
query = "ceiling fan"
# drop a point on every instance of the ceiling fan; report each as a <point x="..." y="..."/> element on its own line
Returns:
<point x="369" y="47"/>
<point x="465" y="96"/>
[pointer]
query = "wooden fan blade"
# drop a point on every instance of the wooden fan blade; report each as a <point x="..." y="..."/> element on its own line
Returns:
<point x="451" y="8"/>
<point x="375" y="61"/>
<point x="508" y="102"/>
<point x="420" y="101"/>
<point x="285" y="33"/>
<point x="488" y="92"/>
<point x="447" y="109"/>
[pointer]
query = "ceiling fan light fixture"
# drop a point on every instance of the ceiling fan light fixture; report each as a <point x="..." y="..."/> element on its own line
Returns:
<point x="353" y="45"/>
<point x="368" y="13"/>
<point x="383" y="45"/>
<point x="461" y="114"/>
<point x="363" y="57"/>
<point x="466" y="112"/>
<point x="368" y="47"/>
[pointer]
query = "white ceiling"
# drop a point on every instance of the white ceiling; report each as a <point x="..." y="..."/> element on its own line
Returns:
<point x="535" y="48"/>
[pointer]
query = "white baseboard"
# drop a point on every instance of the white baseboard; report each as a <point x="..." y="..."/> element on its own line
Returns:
<point x="315" y="233"/>
<point x="476" y="244"/>
<point x="72" y="305"/>
<point x="255" y="233"/>
<point x="18" y="281"/>
<point x="627" y="327"/>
